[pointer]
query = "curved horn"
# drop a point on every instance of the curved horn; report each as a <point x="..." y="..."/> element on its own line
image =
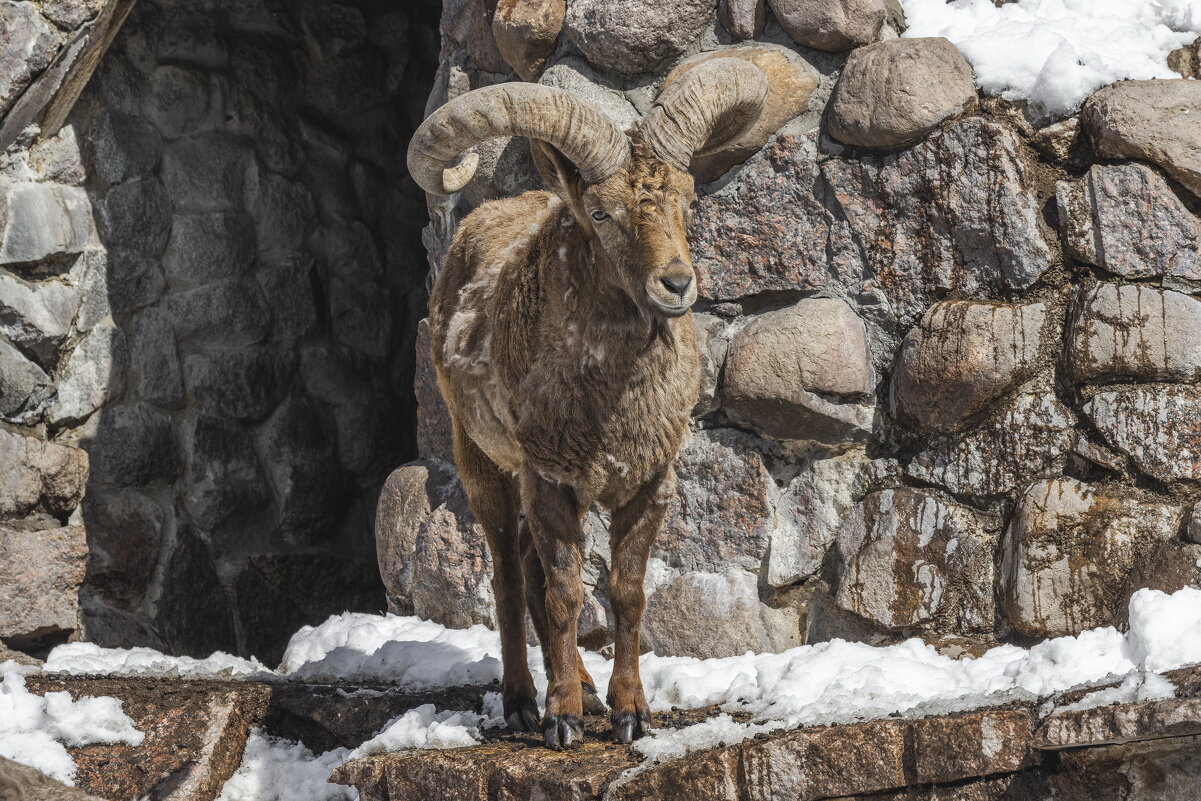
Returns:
<point x="593" y="143"/>
<point x="712" y="103"/>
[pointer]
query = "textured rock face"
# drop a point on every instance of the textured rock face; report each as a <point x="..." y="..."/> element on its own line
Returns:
<point x="722" y="514"/>
<point x="961" y="357"/>
<point x="526" y="32"/>
<point x="40" y="576"/>
<point x="744" y="19"/>
<point x="42" y="221"/>
<point x="1135" y="332"/>
<point x="30" y="43"/>
<point x="835" y="25"/>
<point x="37" y="476"/>
<point x="708" y="615"/>
<point x="632" y="36"/>
<point x="783" y="368"/>
<point x="209" y="284"/>
<point x="953" y="212"/>
<point x="1068" y="552"/>
<point x="1159" y="428"/>
<point x="894" y="92"/>
<point x="789" y="86"/>
<point x="812" y="510"/>
<point x="1026" y="438"/>
<point x="913" y="558"/>
<point x="1149" y="120"/>
<point x="1126" y="219"/>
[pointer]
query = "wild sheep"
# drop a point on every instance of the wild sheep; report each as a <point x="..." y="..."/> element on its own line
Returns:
<point x="563" y="342"/>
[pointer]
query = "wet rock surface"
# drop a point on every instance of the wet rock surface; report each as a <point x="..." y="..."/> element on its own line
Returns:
<point x="1158" y="427"/>
<point x="1135" y="332"/>
<point x="1025" y="438"/>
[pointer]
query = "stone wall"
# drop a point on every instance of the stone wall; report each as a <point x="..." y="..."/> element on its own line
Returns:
<point x="951" y="350"/>
<point x="210" y="280"/>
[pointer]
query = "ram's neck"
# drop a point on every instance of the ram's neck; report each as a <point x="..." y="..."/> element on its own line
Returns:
<point x="596" y="318"/>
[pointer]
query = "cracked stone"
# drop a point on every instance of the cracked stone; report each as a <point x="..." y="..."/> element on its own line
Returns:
<point x="1068" y="551"/>
<point x="1159" y="428"/>
<point x="1125" y="219"/>
<point x="1025" y="439"/>
<point x="1134" y="332"/>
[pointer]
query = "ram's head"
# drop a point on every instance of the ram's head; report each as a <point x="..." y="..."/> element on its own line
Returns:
<point x="630" y="192"/>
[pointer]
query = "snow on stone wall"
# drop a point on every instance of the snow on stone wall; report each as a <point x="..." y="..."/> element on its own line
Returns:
<point x="210" y="281"/>
<point x="950" y="340"/>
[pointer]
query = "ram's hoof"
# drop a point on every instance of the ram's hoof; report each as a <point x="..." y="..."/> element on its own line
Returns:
<point x="629" y="726"/>
<point x="593" y="705"/>
<point x="521" y="713"/>
<point x="562" y="732"/>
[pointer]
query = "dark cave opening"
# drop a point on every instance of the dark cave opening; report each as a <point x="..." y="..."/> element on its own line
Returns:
<point x="256" y="297"/>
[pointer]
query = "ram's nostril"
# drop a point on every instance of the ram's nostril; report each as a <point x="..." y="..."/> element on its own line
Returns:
<point x="678" y="284"/>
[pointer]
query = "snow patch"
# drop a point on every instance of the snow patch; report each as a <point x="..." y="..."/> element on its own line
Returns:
<point x="35" y="729"/>
<point x="85" y="658"/>
<point x="1135" y="687"/>
<point x="1055" y="53"/>
<point x="424" y="727"/>
<point x="280" y="770"/>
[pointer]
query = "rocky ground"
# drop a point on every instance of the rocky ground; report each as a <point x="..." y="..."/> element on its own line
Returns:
<point x="196" y="731"/>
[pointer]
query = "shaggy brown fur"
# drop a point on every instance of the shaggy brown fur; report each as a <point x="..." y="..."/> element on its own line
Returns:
<point x="565" y="350"/>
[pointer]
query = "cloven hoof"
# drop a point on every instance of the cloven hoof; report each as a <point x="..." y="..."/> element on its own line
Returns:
<point x="562" y="732"/>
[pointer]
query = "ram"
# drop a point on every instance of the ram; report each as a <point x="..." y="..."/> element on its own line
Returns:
<point x="563" y="342"/>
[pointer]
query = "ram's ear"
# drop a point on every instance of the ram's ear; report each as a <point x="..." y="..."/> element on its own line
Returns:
<point x="560" y="176"/>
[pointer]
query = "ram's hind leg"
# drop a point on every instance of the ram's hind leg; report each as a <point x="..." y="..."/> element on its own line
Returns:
<point x="535" y="599"/>
<point x="492" y="496"/>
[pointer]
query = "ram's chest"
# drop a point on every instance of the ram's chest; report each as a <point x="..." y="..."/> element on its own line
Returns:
<point x="608" y="431"/>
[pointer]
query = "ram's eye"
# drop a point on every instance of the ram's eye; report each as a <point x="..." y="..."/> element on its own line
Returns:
<point x="599" y="216"/>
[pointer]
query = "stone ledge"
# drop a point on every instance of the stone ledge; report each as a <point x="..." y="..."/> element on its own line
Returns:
<point x="973" y="756"/>
<point x="196" y="729"/>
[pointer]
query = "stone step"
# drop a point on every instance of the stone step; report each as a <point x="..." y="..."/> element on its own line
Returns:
<point x="196" y="730"/>
<point x="969" y="756"/>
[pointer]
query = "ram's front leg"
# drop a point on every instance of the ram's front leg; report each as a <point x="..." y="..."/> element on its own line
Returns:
<point x="631" y="534"/>
<point x="554" y="514"/>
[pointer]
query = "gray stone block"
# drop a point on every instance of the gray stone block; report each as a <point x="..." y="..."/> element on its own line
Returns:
<point x="25" y="390"/>
<point x="93" y="372"/>
<point x="42" y="221"/>
<point x="36" y="316"/>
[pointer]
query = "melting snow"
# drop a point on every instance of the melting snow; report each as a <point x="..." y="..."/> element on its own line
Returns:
<point x="1055" y="53"/>
<point x="35" y="729"/>
<point x="832" y="682"/>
